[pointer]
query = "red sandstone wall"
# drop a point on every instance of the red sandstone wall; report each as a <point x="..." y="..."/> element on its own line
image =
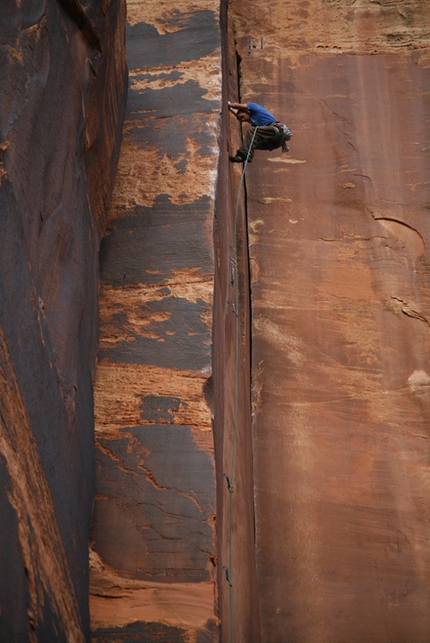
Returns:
<point x="339" y="244"/>
<point x="172" y="549"/>
<point x="62" y="91"/>
<point x="338" y="240"/>
<point x="237" y="589"/>
<point x="153" y="544"/>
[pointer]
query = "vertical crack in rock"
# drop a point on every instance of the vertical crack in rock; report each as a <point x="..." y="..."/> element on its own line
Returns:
<point x="236" y="571"/>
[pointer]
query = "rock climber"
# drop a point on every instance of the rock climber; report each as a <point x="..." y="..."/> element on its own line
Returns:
<point x="270" y="133"/>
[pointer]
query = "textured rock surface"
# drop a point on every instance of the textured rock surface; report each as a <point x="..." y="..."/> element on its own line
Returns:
<point x="237" y="587"/>
<point x="153" y="537"/>
<point x="62" y="94"/>
<point x="339" y="236"/>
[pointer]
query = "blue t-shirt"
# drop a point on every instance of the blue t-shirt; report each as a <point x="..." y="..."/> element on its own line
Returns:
<point x="259" y="115"/>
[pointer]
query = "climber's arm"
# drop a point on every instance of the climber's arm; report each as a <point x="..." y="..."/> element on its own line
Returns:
<point x="232" y="106"/>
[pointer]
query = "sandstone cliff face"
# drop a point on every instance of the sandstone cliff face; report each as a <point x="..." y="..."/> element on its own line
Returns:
<point x="62" y="95"/>
<point x="338" y="242"/>
<point x="173" y="379"/>
<point x="339" y="247"/>
<point x="153" y="539"/>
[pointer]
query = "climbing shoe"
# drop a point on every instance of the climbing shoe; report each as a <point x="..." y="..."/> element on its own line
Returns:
<point x="236" y="159"/>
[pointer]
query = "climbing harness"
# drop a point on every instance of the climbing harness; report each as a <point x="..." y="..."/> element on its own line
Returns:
<point x="285" y="132"/>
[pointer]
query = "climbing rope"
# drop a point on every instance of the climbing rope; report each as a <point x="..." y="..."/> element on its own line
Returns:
<point x="230" y="479"/>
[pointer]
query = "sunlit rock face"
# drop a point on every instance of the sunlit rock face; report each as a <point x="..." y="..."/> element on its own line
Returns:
<point x="63" y="90"/>
<point x="339" y="246"/>
<point x="153" y="545"/>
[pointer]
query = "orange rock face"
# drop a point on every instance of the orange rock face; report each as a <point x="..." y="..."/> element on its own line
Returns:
<point x="339" y="234"/>
<point x="153" y="539"/>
